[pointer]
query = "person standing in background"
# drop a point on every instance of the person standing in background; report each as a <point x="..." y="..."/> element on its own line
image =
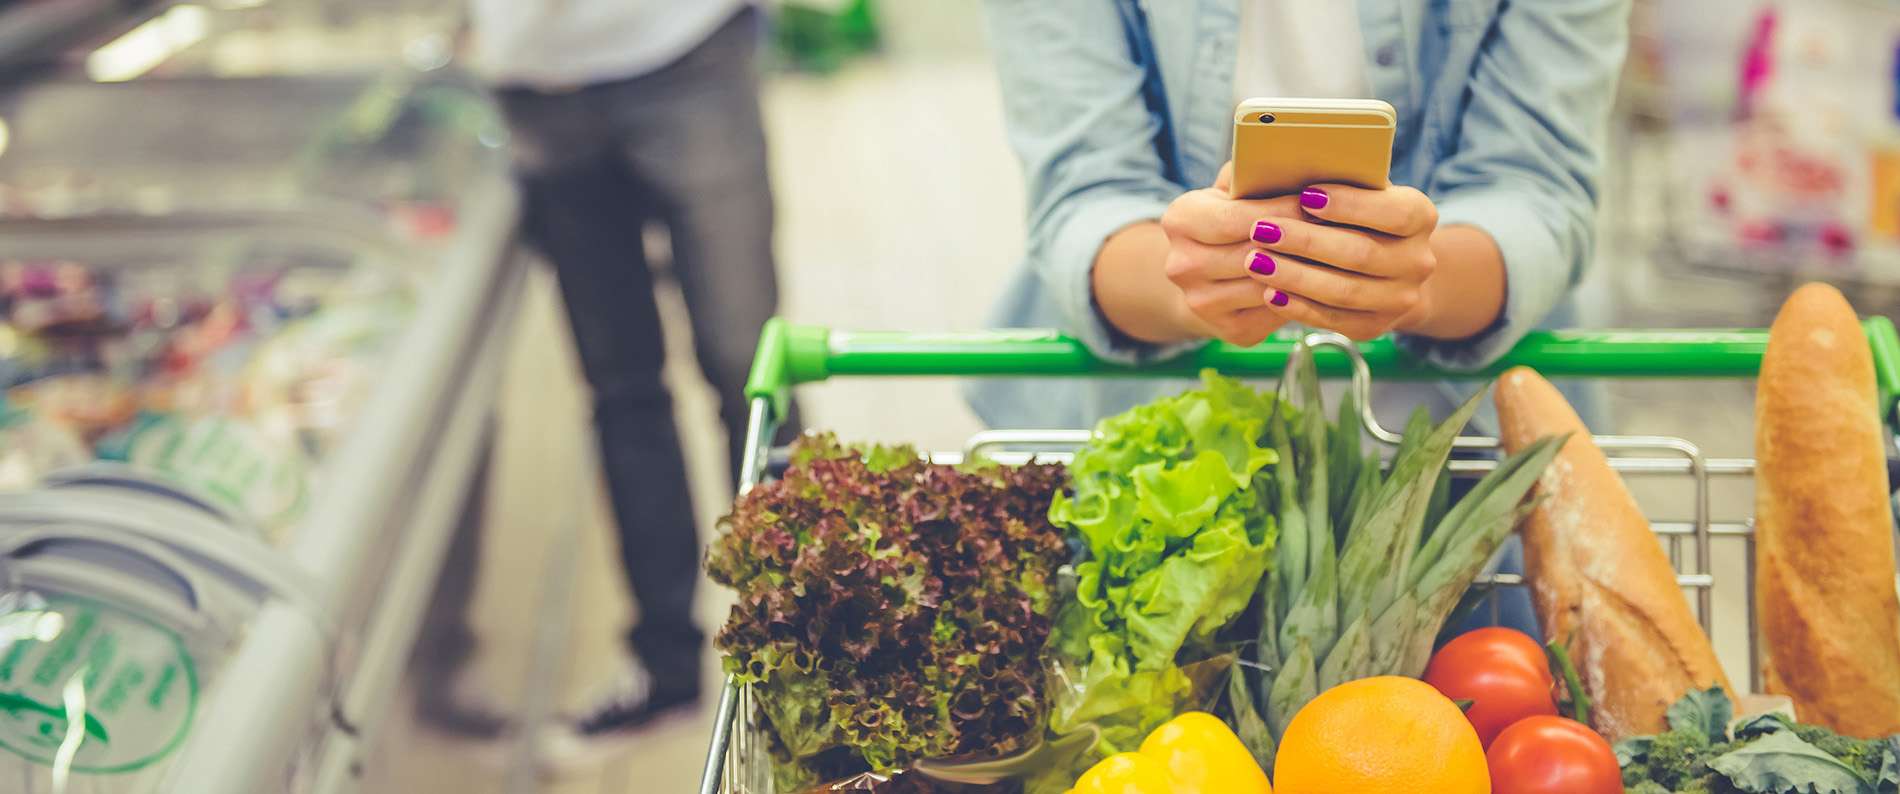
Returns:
<point x="627" y="115"/>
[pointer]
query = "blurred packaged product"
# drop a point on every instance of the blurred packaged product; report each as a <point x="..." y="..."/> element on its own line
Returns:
<point x="309" y="378"/>
<point x="263" y="478"/>
<point x="1883" y="221"/>
<point x="1795" y="177"/>
<point x="92" y="404"/>
<point x="1781" y="134"/>
<point x="230" y="381"/>
<point x="49" y="296"/>
<point x="822" y="35"/>
<point x="31" y="446"/>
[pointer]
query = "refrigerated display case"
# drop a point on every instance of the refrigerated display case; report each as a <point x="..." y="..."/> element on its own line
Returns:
<point x="386" y="470"/>
<point x="384" y="144"/>
<point x="264" y="301"/>
<point x="34" y="30"/>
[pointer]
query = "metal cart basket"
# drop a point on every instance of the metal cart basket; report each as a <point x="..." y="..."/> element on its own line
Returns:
<point x="737" y="762"/>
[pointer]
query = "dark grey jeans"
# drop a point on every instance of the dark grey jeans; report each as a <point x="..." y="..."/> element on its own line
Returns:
<point x="681" y="149"/>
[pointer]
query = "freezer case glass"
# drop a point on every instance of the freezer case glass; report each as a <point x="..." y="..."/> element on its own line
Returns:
<point x="224" y="364"/>
<point x="405" y="146"/>
<point x="109" y="646"/>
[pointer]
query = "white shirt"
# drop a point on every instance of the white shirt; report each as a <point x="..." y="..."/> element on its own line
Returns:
<point x="1300" y="48"/>
<point x="571" y="43"/>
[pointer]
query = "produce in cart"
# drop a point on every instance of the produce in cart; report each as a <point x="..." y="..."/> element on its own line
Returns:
<point x="1552" y="755"/>
<point x="1194" y="753"/>
<point x="890" y="609"/>
<point x="1372" y="561"/>
<point x="1706" y="751"/>
<point x="1602" y="584"/>
<point x="1182" y="503"/>
<point x="1502" y="673"/>
<point x="1385" y="734"/>
<point x="1824" y="523"/>
<point x="1171" y="503"/>
<point x="1237" y="554"/>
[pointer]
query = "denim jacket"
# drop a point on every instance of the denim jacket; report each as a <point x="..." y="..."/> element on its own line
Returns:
<point x="1117" y="107"/>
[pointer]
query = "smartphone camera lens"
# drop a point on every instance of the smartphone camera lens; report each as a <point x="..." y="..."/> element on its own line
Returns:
<point x="1266" y="118"/>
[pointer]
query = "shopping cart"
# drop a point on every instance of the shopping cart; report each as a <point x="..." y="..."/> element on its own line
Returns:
<point x="738" y="761"/>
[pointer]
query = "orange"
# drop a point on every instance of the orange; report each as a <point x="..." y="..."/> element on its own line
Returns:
<point x="1389" y="735"/>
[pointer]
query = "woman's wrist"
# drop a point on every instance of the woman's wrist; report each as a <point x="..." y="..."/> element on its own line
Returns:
<point x="1465" y="294"/>
<point x="1132" y="291"/>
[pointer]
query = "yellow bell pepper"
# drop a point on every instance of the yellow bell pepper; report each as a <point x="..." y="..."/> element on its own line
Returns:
<point x="1194" y="753"/>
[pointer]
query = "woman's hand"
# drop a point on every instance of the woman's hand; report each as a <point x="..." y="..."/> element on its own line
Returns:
<point x="1351" y="260"/>
<point x="1360" y="262"/>
<point x="1209" y="242"/>
<point x="1335" y="257"/>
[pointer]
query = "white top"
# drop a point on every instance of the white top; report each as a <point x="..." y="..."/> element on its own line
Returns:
<point x="1300" y="48"/>
<point x="571" y="43"/>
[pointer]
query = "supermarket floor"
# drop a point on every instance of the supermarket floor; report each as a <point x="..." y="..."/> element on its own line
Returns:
<point x="872" y="236"/>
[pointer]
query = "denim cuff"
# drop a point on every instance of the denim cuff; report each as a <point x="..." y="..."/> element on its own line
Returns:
<point x="1070" y="258"/>
<point x="1537" y="276"/>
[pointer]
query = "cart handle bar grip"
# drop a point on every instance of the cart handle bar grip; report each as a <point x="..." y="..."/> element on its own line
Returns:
<point x="790" y="355"/>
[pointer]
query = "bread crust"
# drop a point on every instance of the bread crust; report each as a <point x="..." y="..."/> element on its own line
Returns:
<point x="1599" y="578"/>
<point x="1824" y="556"/>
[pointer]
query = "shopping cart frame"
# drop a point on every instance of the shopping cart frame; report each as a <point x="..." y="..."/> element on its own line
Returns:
<point x="790" y="355"/>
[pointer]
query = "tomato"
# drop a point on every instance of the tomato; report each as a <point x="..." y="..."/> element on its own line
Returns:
<point x="1503" y="672"/>
<point x="1553" y="755"/>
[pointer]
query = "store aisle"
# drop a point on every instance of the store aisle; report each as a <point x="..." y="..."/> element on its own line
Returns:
<point x="900" y="208"/>
<point x="912" y="227"/>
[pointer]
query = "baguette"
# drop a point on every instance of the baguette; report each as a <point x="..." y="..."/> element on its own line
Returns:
<point x="1601" y="583"/>
<point x="1824" y="556"/>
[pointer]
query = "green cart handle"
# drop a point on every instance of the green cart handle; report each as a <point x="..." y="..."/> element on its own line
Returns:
<point x="793" y="354"/>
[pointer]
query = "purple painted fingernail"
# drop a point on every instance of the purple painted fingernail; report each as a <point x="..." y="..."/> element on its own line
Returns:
<point x="1313" y="198"/>
<point x="1266" y="233"/>
<point x="1279" y="298"/>
<point x="1260" y="263"/>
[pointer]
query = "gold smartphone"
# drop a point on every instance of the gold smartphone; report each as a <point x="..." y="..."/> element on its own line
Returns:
<point x="1283" y="145"/>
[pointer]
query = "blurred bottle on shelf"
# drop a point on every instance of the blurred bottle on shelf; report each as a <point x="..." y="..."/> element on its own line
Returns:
<point x="1884" y="216"/>
<point x="823" y="35"/>
<point x="1795" y="181"/>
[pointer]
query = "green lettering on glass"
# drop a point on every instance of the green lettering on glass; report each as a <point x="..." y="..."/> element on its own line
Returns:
<point x="162" y="688"/>
<point x="12" y="660"/>
<point x="99" y="659"/>
<point x="166" y="458"/>
<point x="209" y="441"/>
<point x="128" y="678"/>
<point x="65" y="649"/>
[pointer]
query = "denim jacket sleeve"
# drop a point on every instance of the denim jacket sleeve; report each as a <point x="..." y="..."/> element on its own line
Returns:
<point x="1530" y="146"/>
<point x="1079" y="122"/>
